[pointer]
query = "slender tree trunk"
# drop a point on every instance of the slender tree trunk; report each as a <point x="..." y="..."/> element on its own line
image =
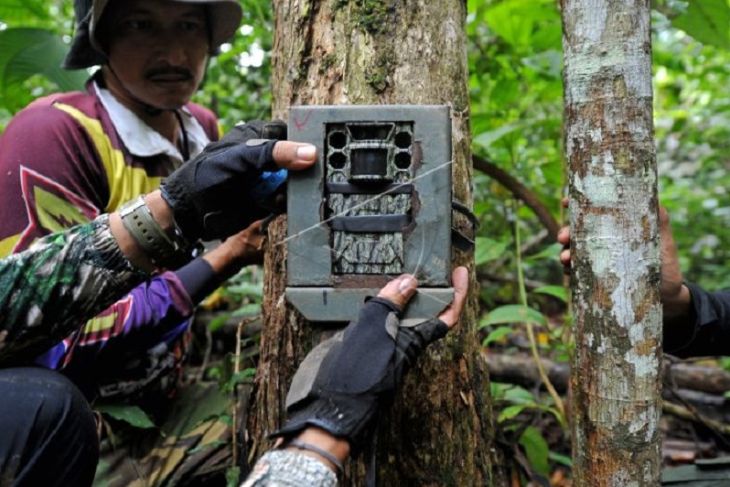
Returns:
<point x="614" y="221"/>
<point x="440" y="431"/>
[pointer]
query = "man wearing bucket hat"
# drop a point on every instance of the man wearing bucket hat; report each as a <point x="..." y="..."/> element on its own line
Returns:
<point x="70" y="157"/>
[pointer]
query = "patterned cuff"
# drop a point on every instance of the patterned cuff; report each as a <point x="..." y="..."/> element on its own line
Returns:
<point x="290" y="468"/>
<point x="108" y="255"/>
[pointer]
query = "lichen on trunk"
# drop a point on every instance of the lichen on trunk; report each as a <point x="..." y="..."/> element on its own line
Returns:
<point x="609" y="144"/>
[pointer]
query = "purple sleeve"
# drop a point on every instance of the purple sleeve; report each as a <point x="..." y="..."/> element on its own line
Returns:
<point x="153" y="312"/>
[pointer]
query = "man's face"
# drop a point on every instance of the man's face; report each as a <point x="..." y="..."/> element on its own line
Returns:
<point x="157" y="48"/>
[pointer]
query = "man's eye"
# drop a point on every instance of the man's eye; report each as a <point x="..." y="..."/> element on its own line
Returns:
<point x="137" y="25"/>
<point x="190" y="26"/>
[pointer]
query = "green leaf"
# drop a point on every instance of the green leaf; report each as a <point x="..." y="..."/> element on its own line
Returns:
<point x="708" y="21"/>
<point x="246" y="289"/>
<point x="498" y="390"/>
<point x="24" y="11"/>
<point x="560" y="458"/>
<point x="239" y="378"/>
<point x="519" y="395"/>
<point x="551" y="252"/>
<point x="129" y="414"/>
<point x="207" y="446"/>
<point x="536" y="449"/>
<point x="488" y="138"/>
<point x="248" y="310"/>
<point x="233" y="476"/>
<point x="554" y="291"/>
<point x="510" y="412"/>
<point x="25" y="52"/>
<point x="487" y="250"/>
<point x="516" y="20"/>
<point x="497" y="334"/>
<point x="218" y="322"/>
<point x="513" y="313"/>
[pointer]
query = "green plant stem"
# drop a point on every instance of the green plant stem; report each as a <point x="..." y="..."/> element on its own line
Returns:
<point x="530" y="331"/>
<point x="234" y="408"/>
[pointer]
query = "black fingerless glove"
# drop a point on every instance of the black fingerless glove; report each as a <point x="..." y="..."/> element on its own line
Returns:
<point x="212" y="196"/>
<point x="343" y="381"/>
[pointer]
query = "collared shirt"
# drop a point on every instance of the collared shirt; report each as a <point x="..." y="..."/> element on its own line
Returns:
<point x="66" y="159"/>
<point x="141" y="140"/>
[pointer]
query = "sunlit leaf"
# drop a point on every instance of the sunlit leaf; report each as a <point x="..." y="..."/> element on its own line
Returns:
<point x="486" y="139"/>
<point x="25" y="52"/>
<point x="513" y="313"/>
<point x="518" y="395"/>
<point x="510" y="412"/>
<point x="25" y="11"/>
<point x="555" y="291"/>
<point x="708" y="21"/>
<point x="516" y="20"/>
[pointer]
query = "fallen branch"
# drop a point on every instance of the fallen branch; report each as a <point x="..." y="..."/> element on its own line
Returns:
<point x="685" y="413"/>
<point x="521" y="369"/>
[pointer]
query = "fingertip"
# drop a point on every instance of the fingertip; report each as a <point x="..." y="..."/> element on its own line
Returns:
<point x="564" y="235"/>
<point x="294" y="155"/>
<point x="306" y="152"/>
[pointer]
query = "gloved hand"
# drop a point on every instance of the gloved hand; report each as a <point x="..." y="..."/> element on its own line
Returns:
<point x="341" y="384"/>
<point x="214" y="195"/>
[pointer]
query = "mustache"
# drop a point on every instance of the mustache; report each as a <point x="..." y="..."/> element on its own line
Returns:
<point x="168" y="70"/>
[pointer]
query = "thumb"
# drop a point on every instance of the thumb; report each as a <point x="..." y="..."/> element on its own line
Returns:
<point x="294" y="155"/>
<point x="460" y="282"/>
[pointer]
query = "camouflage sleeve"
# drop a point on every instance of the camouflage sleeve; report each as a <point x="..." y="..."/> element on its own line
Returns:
<point x="285" y="467"/>
<point x="59" y="283"/>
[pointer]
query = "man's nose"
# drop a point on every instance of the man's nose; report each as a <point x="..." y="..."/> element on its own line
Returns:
<point x="170" y="48"/>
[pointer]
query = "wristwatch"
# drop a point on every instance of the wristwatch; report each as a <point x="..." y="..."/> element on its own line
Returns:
<point x="165" y="250"/>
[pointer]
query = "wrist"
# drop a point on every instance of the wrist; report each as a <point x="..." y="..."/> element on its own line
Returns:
<point x="332" y="448"/>
<point x="149" y="221"/>
<point x="225" y="260"/>
<point x="128" y="245"/>
<point x="161" y="211"/>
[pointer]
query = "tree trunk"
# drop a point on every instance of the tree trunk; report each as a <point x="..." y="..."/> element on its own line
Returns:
<point x="614" y="221"/>
<point x="440" y="430"/>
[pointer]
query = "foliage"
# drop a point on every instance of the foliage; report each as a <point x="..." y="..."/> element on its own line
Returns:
<point x="515" y="84"/>
<point x="132" y="415"/>
<point x="237" y="84"/>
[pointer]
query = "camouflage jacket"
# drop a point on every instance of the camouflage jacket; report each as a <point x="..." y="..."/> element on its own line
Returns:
<point x="62" y="280"/>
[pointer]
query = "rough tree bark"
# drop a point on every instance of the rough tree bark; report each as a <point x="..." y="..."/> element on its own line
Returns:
<point x="440" y="431"/>
<point x="613" y="204"/>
